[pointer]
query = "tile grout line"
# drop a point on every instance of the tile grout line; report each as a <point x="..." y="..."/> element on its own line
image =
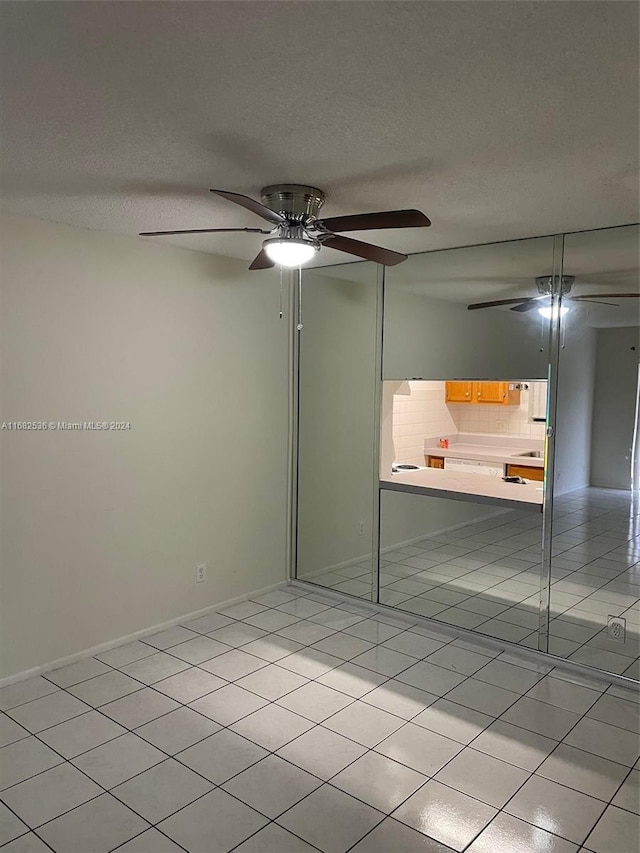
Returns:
<point x="594" y="536"/>
<point x="169" y="756"/>
<point x="404" y="721"/>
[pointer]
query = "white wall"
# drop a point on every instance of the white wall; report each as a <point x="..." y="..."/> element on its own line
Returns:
<point x="616" y="377"/>
<point x="101" y="531"/>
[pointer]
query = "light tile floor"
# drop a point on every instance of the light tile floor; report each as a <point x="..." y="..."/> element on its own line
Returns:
<point x="486" y="577"/>
<point x="338" y="730"/>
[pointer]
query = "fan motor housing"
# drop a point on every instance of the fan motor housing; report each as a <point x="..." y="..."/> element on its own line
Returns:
<point x="545" y="284"/>
<point x="298" y="202"/>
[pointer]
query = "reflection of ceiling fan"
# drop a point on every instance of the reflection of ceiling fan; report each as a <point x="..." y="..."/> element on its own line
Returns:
<point x="297" y="233"/>
<point x="544" y="283"/>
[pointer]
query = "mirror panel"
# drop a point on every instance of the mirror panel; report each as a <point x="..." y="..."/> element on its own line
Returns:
<point x="548" y="576"/>
<point x="337" y="437"/>
<point x="429" y="333"/>
<point x="464" y="397"/>
<point x="595" y="569"/>
<point x="467" y="564"/>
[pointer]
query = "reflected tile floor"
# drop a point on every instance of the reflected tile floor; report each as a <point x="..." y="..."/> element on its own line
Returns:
<point x="485" y="577"/>
<point x="342" y="730"/>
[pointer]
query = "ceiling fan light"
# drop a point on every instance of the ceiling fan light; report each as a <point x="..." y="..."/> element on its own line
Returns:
<point x="290" y="252"/>
<point x="551" y="312"/>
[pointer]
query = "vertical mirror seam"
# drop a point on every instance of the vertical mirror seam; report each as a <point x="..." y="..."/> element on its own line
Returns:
<point x="377" y="404"/>
<point x="552" y="405"/>
<point x="294" y="423"/>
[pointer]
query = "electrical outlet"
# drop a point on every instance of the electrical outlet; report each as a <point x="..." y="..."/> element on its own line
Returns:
<point x="501" y="426"/>
<point x="617" y="628"/>
<point x="201" y="573"/>
<point x="361" y="529"/>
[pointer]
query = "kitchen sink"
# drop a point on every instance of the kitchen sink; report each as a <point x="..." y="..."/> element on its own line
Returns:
<point x="535" y="454"/>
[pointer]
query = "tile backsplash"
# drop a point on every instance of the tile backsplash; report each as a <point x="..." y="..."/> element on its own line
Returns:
<point x="510" y="420"/>
<point x="420" y="411"/>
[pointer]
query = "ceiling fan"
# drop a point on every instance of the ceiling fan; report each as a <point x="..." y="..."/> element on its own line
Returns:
<point x="297" y="233"/>
<point x="543" y="302"/>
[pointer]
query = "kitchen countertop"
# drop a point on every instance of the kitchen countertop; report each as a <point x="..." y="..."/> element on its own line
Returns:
<point x="466" y="486"/>
<point x="486" y="453"/>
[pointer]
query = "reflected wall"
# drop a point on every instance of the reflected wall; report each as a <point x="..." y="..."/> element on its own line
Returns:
<point x="430" y="333"/>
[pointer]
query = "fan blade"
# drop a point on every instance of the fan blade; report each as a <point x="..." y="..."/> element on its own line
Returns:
<point x="373" y="221"/>
<point x="262" y="261"/>
<point x="252" y="205"/>
<point x="533" y="302"/>
<point x="364" y="250"/>
<point x="594" y="301"/>
<point x="527" y="303"/>
<point x="606" y="296"/>
<point x="203" y="231"/>
<point x="493" y="304"/>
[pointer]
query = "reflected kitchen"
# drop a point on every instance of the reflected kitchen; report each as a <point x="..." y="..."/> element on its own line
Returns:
<point x="465" y="437"/>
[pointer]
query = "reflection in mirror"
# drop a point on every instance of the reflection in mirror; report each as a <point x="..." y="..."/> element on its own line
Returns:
<point x="336" y="427"/>
<point x="461" y="362"/>
<point x="595" y="569"/>
<point x="467" y="564"/>
<point x="430" y="332"/>
<point x="476" y="438"/>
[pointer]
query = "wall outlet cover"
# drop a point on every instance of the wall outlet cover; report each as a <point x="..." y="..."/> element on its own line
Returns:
<point x="617" y="628"/>
<point x="201" y="573"/>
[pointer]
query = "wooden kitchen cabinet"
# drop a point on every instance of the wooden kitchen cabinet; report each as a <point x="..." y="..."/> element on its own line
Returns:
<point x="529" y="472"/>
<point x="434" y="461"/>
<point x="494" y="393"/>
<point x="458" y="392"/>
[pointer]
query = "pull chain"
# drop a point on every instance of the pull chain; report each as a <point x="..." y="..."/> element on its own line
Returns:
<point x="300" y="323"/>
<point x="281" y="289"/>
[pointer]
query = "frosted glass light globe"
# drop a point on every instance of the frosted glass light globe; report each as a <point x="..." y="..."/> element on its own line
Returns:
<point x="291" y="252"/>
<point x="551" y="312"/>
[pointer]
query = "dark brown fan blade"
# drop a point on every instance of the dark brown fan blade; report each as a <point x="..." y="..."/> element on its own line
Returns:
<point x="262" y="261"/>
<point x="252" y="205"/>
<point x="373" y="221"/>
<point x="520" y="301"/>
<point x="203" y="231"/>
<point x="364" y="250"/>
<point x="594" y="301"/>
<point x="605" y="296"/>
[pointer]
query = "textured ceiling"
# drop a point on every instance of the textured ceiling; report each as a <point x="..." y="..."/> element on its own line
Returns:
<point x="499" y="120"/>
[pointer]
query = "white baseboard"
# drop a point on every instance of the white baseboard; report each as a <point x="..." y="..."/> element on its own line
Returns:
<point x="355" y="560"/>
<point x="394" y="616"/>
<point x="458" y="526"/>
<point x="336" y="566"/>
<point x="137" y="635"/>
